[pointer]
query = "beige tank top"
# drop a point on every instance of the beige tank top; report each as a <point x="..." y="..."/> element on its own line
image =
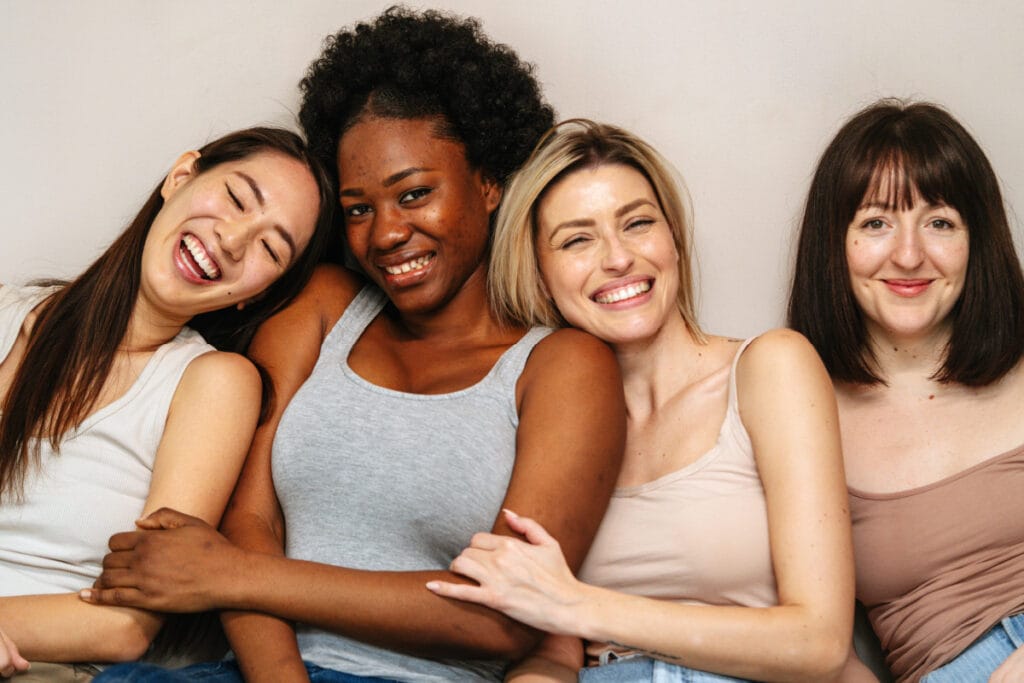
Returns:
<point x="698" y="535"/>
<point x="939" y="565"/>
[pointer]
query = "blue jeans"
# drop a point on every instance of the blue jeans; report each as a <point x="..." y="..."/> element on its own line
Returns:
<point x="984" y="655"/>
<point x="637" y="669"/>
<point x="214" y="672"/>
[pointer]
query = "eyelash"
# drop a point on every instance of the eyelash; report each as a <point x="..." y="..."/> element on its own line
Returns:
<point x="234" y="198"/>
<point x="273" y="254"/>
<point x="419" y="193"/>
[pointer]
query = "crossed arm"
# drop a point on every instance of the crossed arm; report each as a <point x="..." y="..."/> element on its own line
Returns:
<point x="570" y="439"/>
<point x="211" y="420"/>
<point x="787" y="405"/>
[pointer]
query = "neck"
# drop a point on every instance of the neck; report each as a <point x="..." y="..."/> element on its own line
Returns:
<point x="915" y="358"/>
<point x="657" y="368"/>
<point x="467" y="315"/>
<point x="148" y="329"/>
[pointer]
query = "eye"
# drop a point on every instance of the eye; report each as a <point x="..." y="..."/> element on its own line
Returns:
<point x="413" y="195"/>
<point x="271" y="252"/>
<point x="234" y="197"/>
<point x="356" y="210"/>
<point x="639" y="223"/>
<point x="941" y="224"/>
<point x="874" y="224"/>
<point x="574" y="241"/>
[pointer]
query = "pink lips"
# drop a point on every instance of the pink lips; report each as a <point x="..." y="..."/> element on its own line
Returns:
<point x="907" y="288"/>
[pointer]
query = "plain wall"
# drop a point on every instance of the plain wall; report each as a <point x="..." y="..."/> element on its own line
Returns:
<point x="99" y="97"/>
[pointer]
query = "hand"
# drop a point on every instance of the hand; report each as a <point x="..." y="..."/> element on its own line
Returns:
<point x="1012" y="668"/>
<point x="174" y="563"/>
<point x="529" y="582"/>
<point x="11" y="662"/>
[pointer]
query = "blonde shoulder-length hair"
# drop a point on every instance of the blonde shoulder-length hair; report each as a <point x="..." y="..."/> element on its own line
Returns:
<point x="517" y="292"/>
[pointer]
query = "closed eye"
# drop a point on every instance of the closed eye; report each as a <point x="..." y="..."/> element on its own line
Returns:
<point x="574" y="241"/>
<point x="270" y="250"/>
<point x="234" y="198"/>
<point x="639" y="223"/>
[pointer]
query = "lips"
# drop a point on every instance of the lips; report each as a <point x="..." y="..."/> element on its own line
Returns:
<point x="195" y="260"/>
<point x="907" y="288"/>
<point x="624" y="292"/>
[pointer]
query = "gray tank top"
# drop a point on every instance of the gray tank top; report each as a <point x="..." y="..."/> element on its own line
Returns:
<point x="377" y="479"/>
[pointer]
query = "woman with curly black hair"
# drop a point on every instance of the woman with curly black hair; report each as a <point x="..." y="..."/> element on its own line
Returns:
<point x="414" y="415"/>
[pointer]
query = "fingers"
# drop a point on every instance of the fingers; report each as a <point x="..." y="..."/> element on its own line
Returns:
<point x="126" y="540"/>
<point x="533" y="531"/>
<point x="121" y="596"/>
<point x="460" y="591"/>
<point x="11" y="661"/>
<point x="167" y="518"/>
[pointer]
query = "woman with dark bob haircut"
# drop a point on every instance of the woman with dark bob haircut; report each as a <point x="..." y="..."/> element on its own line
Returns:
<point x="908" y="284"/>
<point x="113" y="403"/>
<point x="414" y="414"/>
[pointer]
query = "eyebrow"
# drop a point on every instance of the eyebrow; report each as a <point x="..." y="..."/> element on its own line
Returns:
<point x="252" y="186"/>
<point x="388" y="182"/>
<point x="619" y="212"/>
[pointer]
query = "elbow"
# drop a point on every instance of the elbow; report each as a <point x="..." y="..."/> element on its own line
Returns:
<point x="127" y="641"/>
<point x="821" y="661"/>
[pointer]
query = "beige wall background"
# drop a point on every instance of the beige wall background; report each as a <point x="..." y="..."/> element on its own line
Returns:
<point x="99" y="97"/>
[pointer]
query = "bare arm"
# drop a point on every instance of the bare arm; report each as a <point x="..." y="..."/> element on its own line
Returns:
<point x="570" y="438"/>
<point x="557" y="659"/>
<point x="787" y="405"/>
<point x="209" y="425"/>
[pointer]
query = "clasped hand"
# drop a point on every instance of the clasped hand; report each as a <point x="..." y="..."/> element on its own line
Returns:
<point x="528" y="581"/>
<point x="172" y="563"/>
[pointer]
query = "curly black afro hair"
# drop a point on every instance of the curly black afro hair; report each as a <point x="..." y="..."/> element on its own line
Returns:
<point x="407" y="64"/>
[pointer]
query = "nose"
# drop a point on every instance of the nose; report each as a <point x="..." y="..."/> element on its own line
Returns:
<point x="234" y="237"/>
<point x="908" y="252"/>
<point x="616" y="256"/>
<point x="389" y="230"/>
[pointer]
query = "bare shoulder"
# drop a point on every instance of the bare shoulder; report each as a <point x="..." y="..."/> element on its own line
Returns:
<point x="297" y="330"/>
<point x="572" y="350"/>
<point x="779" y="351"/>
<point x="221" y="373"/>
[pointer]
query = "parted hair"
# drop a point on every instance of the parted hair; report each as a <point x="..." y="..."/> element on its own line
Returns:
<point x="517" y="291"/>
<point x="79" y="327"/>
<point x="911" y="150"/>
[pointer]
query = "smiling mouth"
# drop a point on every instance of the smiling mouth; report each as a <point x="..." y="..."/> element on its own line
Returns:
<point x="623" y="293"/>
<point x="196" y="258"/>
<point x="409" y="266"/>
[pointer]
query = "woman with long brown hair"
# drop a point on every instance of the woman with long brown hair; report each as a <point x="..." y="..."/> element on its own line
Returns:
<point x="123" y="391"/>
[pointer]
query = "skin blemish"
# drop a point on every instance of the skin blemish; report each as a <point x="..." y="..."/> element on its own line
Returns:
<point x="931" y="396"/>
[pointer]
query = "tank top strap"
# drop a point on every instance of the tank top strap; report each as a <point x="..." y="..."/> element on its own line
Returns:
<point x="510" y="366"/>
<point x="15" y="305"/>
<point x="734" y="405"/>
<point x="366" y="305"/>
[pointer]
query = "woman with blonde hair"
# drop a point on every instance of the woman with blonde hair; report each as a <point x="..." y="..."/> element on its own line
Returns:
<point x="702" y="568"/>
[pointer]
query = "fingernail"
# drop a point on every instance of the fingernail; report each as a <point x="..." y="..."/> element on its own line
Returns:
<point x="509" y="513"/>
<point x="85" y="594"/>
<point x="432" y="585"/>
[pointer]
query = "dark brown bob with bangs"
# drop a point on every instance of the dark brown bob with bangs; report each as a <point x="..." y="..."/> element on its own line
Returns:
<point x="913" y="149"/>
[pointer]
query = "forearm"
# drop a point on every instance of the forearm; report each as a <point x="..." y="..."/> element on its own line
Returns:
<point x="63" y="628"/>
<point x="388" y="609"/>
<point x="783" y="643"/>
<point x="264" y="645"/>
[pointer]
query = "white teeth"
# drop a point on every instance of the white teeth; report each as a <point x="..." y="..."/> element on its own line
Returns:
<point x="195" y="248"/>
<point x="623" y="293"/>
<point x="409" y="266"/>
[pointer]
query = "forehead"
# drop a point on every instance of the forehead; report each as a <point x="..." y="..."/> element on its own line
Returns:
<point x="605" y="186"/>
<point x="374" y="148"/>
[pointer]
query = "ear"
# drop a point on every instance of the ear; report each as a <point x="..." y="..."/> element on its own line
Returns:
<point x="183" y="170"/>
<point x="492" y="190"/>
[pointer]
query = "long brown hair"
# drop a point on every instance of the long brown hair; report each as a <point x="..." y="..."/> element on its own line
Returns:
<point x="75" y="338"/>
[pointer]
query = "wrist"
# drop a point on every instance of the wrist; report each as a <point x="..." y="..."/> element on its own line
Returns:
<point x="582" y="614"/>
